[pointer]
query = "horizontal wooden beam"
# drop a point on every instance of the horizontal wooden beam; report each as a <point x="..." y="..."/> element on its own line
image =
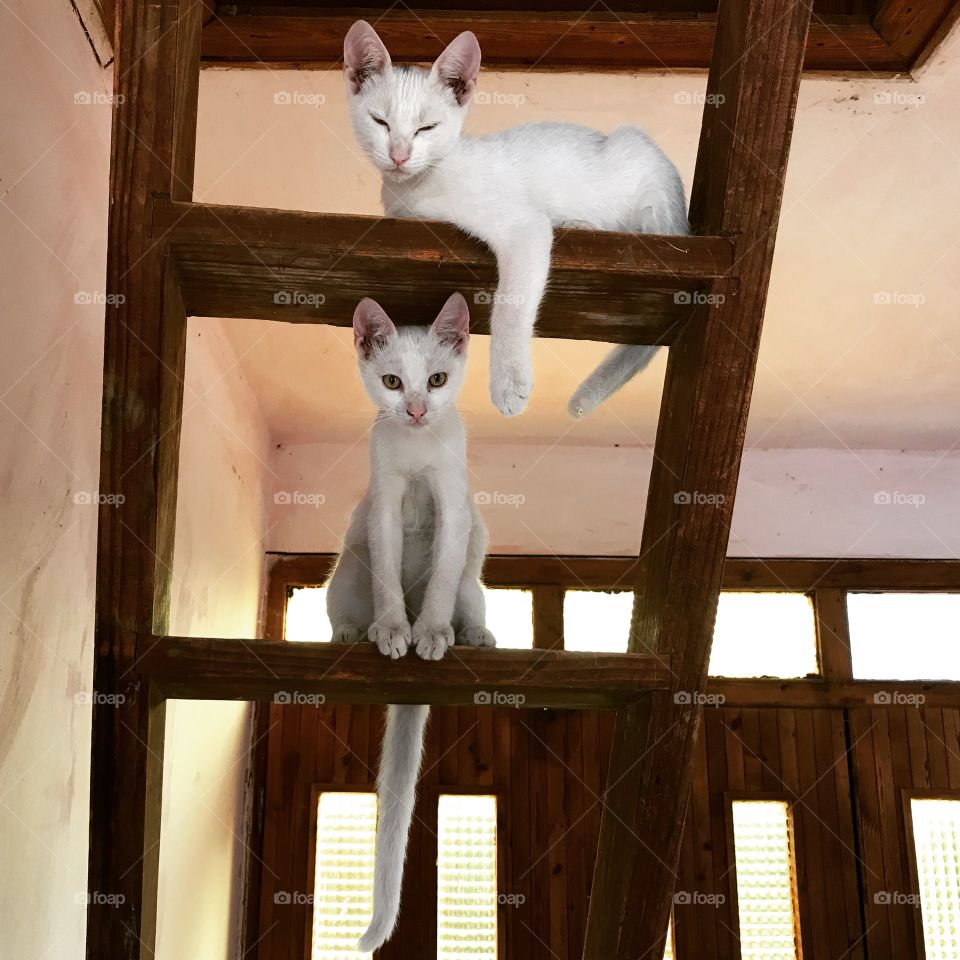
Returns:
<point x="598" y="40"/>
<point x="821" y="694"/>
<point x="778" y="573"/>
<point x="207" y="669"/>
<point x="296" y="267"/>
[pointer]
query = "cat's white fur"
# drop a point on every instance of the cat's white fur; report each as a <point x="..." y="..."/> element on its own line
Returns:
<point x="509" y="189"/>
<point x="409" y="571"/>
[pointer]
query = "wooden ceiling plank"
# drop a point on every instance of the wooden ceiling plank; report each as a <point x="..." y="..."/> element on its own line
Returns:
<point x="738" y="185"/>
<point x="598" y="40"/>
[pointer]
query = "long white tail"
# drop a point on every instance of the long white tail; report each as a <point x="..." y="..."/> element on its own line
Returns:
<point x="396" y="792"/>
<point x="615" y="370"/>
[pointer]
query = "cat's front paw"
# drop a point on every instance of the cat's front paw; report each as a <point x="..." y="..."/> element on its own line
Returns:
<point x="392" y="639"/>
<point x="345" y="633"/>
<point x="432" y="640"/>
<point x="476" y="637"/>
<point x="510" y="388"/>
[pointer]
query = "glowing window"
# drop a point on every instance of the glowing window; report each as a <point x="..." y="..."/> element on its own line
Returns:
<point x="597" y="620"/>
<point x="764" y="635"/>
<point x="343" y="873"/>
<point x="467" y="878"/>
<point x="510" y="617"/>
<point x="765" y="880"/>
<point x="936" y="837"/>
<point x="306" y="617"/>
<point x="905" y="636"/>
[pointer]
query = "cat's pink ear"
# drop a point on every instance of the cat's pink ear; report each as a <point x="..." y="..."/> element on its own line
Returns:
<point x="363" y="55"/>
<point x="452" y="325"/>
<point x="458" y="66"/>
<point x="371" y="327"/>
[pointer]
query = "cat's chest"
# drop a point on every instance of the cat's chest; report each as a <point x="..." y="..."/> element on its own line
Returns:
<point x="417" y="509"/>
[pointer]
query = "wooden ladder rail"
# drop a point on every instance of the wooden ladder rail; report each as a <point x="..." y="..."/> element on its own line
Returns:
<point x="741" y="165"/>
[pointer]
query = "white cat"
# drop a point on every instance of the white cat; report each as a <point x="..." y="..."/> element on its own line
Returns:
<point x="508" y="189"/>
<point x="413" y="551"/>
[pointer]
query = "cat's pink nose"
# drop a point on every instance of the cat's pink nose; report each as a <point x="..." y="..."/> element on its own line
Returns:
<point x="416" y="411"/>
<point x="399" y="157"/>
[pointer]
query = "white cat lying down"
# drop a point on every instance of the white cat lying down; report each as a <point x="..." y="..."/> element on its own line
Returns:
<point x="414" y="549"/>
<point x="509" y="189"/>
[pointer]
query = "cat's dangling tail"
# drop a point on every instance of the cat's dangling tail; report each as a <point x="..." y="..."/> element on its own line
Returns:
<point x="396" y="792"/>
<point x="618" y="366"/>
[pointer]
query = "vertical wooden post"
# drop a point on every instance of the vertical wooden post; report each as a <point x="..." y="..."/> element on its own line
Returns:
<point x="744" y="144"/>
<point x="154" y="126"/>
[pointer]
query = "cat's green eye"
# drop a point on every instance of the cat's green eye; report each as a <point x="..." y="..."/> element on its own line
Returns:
<point x="437" y="379"/>
<point x="391" y="381"/>
<point x="428" y="127"/>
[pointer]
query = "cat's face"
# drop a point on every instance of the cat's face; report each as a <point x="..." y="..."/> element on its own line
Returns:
<point x="415" y="373"/>
<point x="406" y="118"/>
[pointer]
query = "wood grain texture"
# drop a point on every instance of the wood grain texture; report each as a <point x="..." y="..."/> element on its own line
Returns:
<point x="620" y="573"/>
<point x="913" y="30"/>
<point x="155" y="75"/>
<point x="314" y="268"/>
<point x="192" y="668"/>
<point x="741" y="165"/>
<point x="517" y="39"/>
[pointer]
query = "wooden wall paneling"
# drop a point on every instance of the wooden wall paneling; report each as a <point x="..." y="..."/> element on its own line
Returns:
<point x="913" y="30"/>
<point x="696" y="906"/>
<point x="521" y="839"/>
<point x="577" y="844"/>
<point x="936" y="746"/>
<point x="557" y="775"/>
<point x="540" y="853"/>
<point x="738" y="184"/>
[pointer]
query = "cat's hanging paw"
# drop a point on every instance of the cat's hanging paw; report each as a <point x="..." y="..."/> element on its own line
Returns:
<point x="346" y="633"/>
<point x="476" y="637"/>
<point x="392" y="639"/>
<point x="432" y="640"/>
<point x="510" y="388"/>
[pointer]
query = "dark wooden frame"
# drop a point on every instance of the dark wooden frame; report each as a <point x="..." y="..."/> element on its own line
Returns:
<point x="896" y="37"/>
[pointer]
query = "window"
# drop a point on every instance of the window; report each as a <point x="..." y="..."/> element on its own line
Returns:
<point x="306" y="618"/>
<point x="343" y="873"/>
<point x="467" y="877"/>
<point x="510" y="617"/>
<point x="766" y="895"/>
<point x="905" y="636"/>
<point x="936" y="838"/>
<point x="764" y="635"/>
<point x="597" y="620"/>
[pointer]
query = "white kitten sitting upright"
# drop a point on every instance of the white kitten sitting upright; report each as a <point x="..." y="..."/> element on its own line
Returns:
<point x="414" y="549"/>
<point x="509" y="189"/>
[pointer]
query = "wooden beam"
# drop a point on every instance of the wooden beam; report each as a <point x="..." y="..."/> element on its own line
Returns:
<point x="833" y="634"/>
<point x="594" y="40"/>
<point x="314" y="268"/>
<point x="775" y="573"/>
<point x="208" y="669"/>
<point x="824" y="694"/>
<point x="741" y="165"/>
<point x="156" y="76"/>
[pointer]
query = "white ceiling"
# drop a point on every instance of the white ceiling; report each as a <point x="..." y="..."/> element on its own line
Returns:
<point x="871" y="212"/>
